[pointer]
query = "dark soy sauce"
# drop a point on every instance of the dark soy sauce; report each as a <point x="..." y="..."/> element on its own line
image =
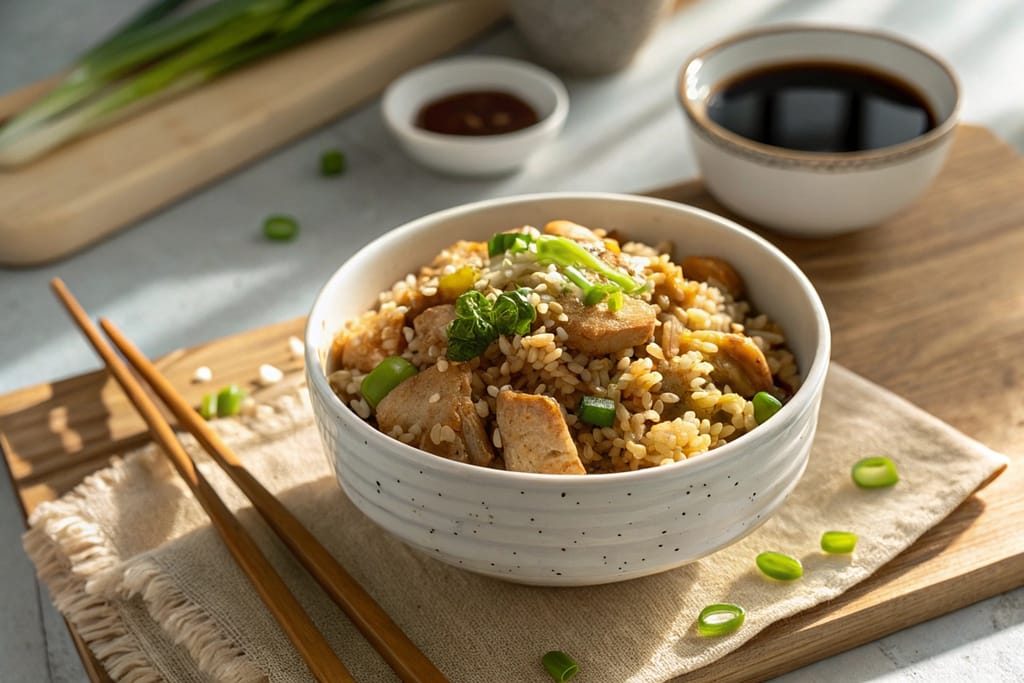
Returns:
<point x="821" y="108"/>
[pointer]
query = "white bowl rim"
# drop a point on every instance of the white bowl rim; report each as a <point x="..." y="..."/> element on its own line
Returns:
<point x="889" y="152"/>
<point x="801" y="400"/>
<point x="553" y="120"/>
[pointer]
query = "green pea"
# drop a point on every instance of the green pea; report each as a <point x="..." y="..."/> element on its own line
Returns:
<point x="765" y="405"/>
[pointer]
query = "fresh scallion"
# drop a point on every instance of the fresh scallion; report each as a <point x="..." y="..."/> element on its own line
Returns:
<point x="779" y="566"/>
<point x="388" y="374"/>
<point x="720" y="619"/>
<point x="874" y="473"/>
<point x="208" y="407"/>
<point x="280" y="228"/>
<point x="838" y="542"/>
<point x="597" y="411"/>
<point x="162" y="52"/>
<point x="765" y="405"/>
<point x="559" y="665"/>
<point x="514" y="242"/>
<point x="229" y="400"/>
<point x="332" y="163"/>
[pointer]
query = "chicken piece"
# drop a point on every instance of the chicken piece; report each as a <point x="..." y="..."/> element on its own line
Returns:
<point x="534" y="435"/>
<point x="738" y="361"/>
<point x="371" y="338"/>
<point x="596" y="331"/>
<point x="461" y="253"/>
<point x="714" y="271"/>
<point x="433" y="401"/>
<point x="432" y="327"/>
<point x="575" y="232"/>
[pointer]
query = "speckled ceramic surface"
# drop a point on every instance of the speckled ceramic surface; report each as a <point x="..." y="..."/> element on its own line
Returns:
<point x="817" y="194"/>
<point x="587" y="37"/>
<point x="568" y="530"/>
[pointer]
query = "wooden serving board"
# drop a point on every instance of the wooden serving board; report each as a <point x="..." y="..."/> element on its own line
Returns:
<point x="930" y="305"/>
<point x="96" y="185"/>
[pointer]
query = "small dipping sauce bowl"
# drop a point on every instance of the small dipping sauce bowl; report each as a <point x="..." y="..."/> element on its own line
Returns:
<point x="496" y="154"/>
<point x="818" y="193"/>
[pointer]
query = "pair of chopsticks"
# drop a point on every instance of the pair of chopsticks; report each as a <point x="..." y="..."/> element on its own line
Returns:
<point x="411" y="665"/>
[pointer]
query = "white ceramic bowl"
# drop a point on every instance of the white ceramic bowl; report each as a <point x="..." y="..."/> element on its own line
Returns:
<point x="486" y="154"/>
<point x="567" y="530"/>
<point x="810" y="193"/>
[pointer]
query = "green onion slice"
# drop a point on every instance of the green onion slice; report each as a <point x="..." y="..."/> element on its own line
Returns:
<point x="597" y="411"/>
<point x="280" y="228"/>
<point x="559" y="665"/>
<point x="388" y="374"/>
<point x="765" y="405"/>
<point x="874" y="473"/>
<point x="229" y="400"/>
<point x="779" y="566"/>
<point x="508" y="241"/>
<point x="838" y="542"/>
<point x="332" y="163"/>
<point x="208" y="407"/>
<point x="720" y="619"/>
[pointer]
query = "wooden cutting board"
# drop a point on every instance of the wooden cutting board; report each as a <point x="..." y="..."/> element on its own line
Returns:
<point x="930" y="305"/>
<point x="103" y="182"/>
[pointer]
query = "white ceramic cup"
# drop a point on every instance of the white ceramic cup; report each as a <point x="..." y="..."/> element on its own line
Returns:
<point x="817" y="194"/>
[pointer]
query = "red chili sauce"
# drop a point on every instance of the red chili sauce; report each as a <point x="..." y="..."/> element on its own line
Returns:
<point x="483" y="112"/>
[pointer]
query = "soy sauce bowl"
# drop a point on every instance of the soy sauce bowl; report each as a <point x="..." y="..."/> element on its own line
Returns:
<point x="483" y="155"/>
<point x="817" y="194"/>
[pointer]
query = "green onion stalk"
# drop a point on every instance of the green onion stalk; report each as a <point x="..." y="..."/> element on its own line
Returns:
<point x="162" y="52"/>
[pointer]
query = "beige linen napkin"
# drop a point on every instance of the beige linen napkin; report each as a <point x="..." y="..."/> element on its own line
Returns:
<point x="133" y="564"/>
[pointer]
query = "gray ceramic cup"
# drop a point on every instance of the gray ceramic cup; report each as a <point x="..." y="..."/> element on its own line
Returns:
<point x="587" y="37"/>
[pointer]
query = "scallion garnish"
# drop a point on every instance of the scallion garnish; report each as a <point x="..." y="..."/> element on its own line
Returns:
<point x="388" y="374"/>
<point x="779" y="566"/>
<point x="280" y="228"/>
<point x="559" y="665"/>
<point x="597" y="411"/>
<point x="874" y="473"/>
<point x="229" y="400"/>
<point x="765" y="405"/>
<point x="514" y="242"/>
<point x="332" y="163"/>
<point x="720" y="619"/>
<point x="208" y="407"/>
<point x="838" y="542"/>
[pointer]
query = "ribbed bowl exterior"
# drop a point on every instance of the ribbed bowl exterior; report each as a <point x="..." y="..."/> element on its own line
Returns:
<point x="563" y="530"/>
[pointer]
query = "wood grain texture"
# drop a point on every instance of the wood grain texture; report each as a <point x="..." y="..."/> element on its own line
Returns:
<point x="930" y="305"/>
<point x="104" y="181"/>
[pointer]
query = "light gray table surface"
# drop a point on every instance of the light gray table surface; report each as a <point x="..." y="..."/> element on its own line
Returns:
<point x="200" y="270"/>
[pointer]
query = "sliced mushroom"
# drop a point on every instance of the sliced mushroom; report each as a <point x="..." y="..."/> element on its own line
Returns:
<point x="433" y="401"/>
<point x="534" y="436"/>
<point x="575" y="232"/>
<point x="714" y="271"/>
<point x="738" y="362"/>
<point x="596" y="331"/>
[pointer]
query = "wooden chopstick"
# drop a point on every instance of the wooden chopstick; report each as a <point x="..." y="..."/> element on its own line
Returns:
<point x="294" y="621"/>
<point x="411" y="665"/>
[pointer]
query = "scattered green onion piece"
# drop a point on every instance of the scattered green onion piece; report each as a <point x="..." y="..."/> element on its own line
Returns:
<point x="565" y="252"/>
<point x="332" y="163"/>
<point x="720" y="619"/>
<point x="765" y="405"/>
<point x="838" y="542"/>
<point x="388" y="374"/>
<point x="559" y="665"/>
<point x="594" y="296"/>
<point x="597" y="411"/>
<point x="208" y="407"/>
<point x="615" y="301"/>
<point x="229" y="400"/>
<point x="280" y="228"/>
<point x="874" y="473"/>
<point x="508" y="241"/>
<point x="779" y="566"/>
